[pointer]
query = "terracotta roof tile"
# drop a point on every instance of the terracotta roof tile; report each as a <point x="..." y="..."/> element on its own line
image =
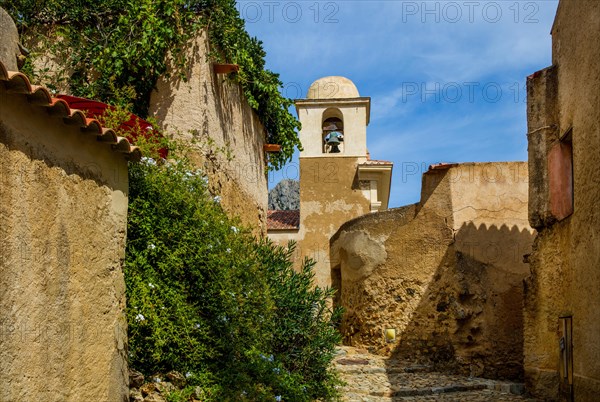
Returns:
<point x="283" y="220"/>
<point x="18" y="83"/>
<point x="377" y="162"/>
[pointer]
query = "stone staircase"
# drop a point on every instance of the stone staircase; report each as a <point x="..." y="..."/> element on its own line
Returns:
<point x="372" y="378"/>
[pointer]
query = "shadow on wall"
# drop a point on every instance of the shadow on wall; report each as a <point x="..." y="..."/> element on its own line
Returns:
<point x="445" y="274"/>
<point x="213" y="96"/>
<point x="469" y="318"/>
<point x="209" y="114"/>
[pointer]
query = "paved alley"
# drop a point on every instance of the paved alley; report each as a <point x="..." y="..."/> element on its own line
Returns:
<point x="372" y="378"/>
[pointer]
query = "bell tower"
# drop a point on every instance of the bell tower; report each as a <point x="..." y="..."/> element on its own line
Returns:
<point x="333" y="105"/>
<point x="338" y="181"/>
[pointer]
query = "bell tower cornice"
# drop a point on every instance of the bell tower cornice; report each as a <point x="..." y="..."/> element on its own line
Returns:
<point x="363" y="101"/>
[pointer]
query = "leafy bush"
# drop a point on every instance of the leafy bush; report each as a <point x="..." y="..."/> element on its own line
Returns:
<point x="116" y="50"/>
<point x="207" y="299"/>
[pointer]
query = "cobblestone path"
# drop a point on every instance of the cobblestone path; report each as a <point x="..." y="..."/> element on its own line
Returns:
<point x="371" y="378"/>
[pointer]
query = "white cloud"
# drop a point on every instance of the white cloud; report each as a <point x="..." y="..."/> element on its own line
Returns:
<point x="381" y="48"/>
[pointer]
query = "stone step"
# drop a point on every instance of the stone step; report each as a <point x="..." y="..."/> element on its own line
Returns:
<point x="506" y="388"/>
<point x="417" y="368"/>
<point x="371" y="378"/>
<point x="437" y="390"/>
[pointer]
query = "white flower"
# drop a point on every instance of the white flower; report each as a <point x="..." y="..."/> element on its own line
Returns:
<point x="197" y="325"/>
<point x="228" y="250"/>
<point x="151" y="286"/>
<point x="156" y="379"/>
<point x="188" y="374"/>
<point x="148" y="161"/>
<point x="234" y="229"/>
<point x="140" y="317"/>
<point x="278" y="398"/>
<point x="151" y="246"/>
<point x="217" y="199"/>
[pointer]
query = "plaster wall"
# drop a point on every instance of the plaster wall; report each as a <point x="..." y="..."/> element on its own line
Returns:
<point x="211" y="116"/>
<point x="330" y="195"/>
<point x="48" y="61"/>
<point x="63" y="220"/>
<point x="565" y="274"/>
<point x="445" y="273"/>
<point x="282" y="237"/>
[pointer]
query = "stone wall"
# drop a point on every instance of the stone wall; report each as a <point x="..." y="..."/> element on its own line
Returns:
<point x="445" y="273"/>
<point x="564" y="112"/>
<point x="63" y="214"/>
<point x="210" y="114"/>
<point x="330" y="195"/>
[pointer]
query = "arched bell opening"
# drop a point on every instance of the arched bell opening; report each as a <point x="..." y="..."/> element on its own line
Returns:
<point x="333" y="131"/>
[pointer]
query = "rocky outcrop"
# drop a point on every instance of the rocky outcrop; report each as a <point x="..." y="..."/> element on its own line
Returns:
<point x="9" y="45"/>
<point x="285" y="195"/>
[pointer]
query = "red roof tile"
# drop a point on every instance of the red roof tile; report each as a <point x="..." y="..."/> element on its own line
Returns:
<point x="283" y="220"/>
<point x="376" y="162"/>
<point x="95" y="109"/>
<point x="18" y="83"/>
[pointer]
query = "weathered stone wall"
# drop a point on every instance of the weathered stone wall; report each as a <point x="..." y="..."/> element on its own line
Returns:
<point x="63" y="220"/>
<point x="565" y="274"/>
<point x="210" y="114"/>
<point x="330" y="195"/>
<point x="445" y="273"/>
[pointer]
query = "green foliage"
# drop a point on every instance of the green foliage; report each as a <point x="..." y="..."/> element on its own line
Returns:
<point x="304" y="331"/>
<point x="207" y="299"/>
<point x="261" y="86"/>
<point x="117" y="50"/>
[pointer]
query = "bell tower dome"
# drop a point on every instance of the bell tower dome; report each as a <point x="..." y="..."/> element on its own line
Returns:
<point x="334" y="119"/>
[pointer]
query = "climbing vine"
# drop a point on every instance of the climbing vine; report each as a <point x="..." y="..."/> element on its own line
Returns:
<point x="115" y="51"/>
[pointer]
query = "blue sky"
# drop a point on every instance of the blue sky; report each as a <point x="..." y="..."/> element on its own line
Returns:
<point x="446" y="78"/>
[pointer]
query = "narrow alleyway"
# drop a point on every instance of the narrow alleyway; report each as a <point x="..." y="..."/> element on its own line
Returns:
<point x="371" y="378"/>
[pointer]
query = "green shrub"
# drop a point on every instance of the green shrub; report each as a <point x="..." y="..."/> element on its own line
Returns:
<point x="207" y="299"/>
<point x="304" y="333"/>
